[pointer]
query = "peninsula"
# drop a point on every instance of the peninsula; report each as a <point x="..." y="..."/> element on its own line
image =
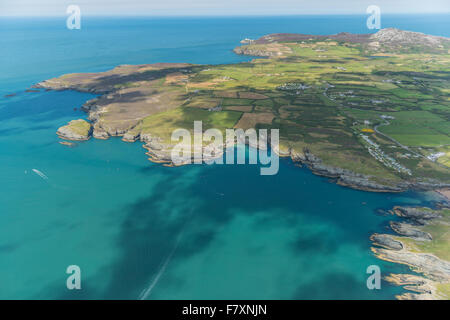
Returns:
<point x="370" y="111"/>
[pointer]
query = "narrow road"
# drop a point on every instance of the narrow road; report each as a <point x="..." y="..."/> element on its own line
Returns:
<point x="376" y="127"/>
<point x="386" y="123"/>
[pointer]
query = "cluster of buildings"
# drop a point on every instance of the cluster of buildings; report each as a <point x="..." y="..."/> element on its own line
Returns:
<point x="377" y="153"/>
<point x="435" y="156"/>
<point x="291" y="86"/>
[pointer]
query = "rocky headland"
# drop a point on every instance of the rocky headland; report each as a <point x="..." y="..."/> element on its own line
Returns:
<point x="147" y="102"/>
<point x="75" y="130"/>
<point x="328" y="95"/>
<point x="386" y="40"/>
<point x="421" y="241"/>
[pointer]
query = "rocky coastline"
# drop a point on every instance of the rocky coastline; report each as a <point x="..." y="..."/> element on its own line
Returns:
<point x="160" y="152"/>
<point x="75" y="130"/>
<point x="388" y="247"/>
<point x="130" y="95"/>
<point x="127" y="96"/>
<point x="422" y="251"/>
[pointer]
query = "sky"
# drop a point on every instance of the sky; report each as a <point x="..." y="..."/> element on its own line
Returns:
<point x="217" y="7"/>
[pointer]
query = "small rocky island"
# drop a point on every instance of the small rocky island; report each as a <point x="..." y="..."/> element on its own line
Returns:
<point x="75" y="130"/>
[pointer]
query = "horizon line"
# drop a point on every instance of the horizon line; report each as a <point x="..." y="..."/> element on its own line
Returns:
<point x="137" y="15"/>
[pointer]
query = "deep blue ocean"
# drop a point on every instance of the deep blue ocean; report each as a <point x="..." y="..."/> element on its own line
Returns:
<point x="141" y="230"/>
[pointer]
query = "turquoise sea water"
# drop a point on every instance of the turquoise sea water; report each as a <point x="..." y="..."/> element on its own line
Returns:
<point x="140" y="230"/>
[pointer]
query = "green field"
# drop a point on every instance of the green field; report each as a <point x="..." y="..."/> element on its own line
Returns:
<point x="440" y="245"/>
<point x="163" y="124"/>
<point x="326" y="97"/>
<point x="418" y="128"/>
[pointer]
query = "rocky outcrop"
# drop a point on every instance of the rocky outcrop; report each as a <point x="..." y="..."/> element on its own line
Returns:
<point x="364" y="183"/>
<point x="99" y="132"/>
<point x="423" y="288"/>
<point x="428" y="264"/>
<point x="386" y="241"/>
<point x="75" y="130"/>
<point x="432" y="185"/>
<point x="133" y="134"/>
<point x="67" y="143"/>
<point x="408" y="230"/>
<point x="418" y="215"/>
<point x="405" y="248"/>
<point x="395" y="38"/>
<point x="130" y="136"/>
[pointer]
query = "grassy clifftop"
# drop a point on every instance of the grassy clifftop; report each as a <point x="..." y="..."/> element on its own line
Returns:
<point x="422" y="242"/>
<point x="75" y="130"/>
<point x="373" y="108"/>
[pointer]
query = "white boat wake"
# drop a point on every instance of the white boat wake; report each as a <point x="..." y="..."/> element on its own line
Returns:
<point x="146" y="292"/>
<point x="40" y="174"/>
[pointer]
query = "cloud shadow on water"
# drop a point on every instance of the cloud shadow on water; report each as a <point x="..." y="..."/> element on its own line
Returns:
<point x="198" y="210"/>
